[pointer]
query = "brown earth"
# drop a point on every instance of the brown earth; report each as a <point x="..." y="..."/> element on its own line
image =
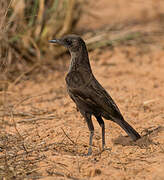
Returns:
<point x="54" y="134"/>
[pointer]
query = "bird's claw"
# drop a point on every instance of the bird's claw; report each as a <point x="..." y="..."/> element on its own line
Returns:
<point x="89" y="151"/>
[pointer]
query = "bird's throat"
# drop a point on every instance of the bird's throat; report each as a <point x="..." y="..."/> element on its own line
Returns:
<point x="79" y="59"/>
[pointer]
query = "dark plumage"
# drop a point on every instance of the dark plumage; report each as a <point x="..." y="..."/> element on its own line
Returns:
<point x="89" y="96"/>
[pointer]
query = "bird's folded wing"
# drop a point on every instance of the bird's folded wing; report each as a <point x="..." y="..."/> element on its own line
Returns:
<point x="95" y="96"/>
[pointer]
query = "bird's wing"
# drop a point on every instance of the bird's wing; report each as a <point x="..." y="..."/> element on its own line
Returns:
<point x="94" y="95"/>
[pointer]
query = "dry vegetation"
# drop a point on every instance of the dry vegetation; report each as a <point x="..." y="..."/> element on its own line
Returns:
<point x="26" y="27"/>
<point x="42" y="136"/>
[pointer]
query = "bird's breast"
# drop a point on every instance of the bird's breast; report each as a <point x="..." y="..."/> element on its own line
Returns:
<point x="77" y="79"/>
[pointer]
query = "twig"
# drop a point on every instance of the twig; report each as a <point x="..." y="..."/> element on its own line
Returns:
<point x="17" y="114"/>
<point x="67" y="176"/>
<point x="149" y="101"/>
<point x="27" y="98"/>
<point x="96" y="38"/>
<point x="15" y="126"/>
<point x="67" y="24"/>
<point x="23" y="74"/>
<point x="102" y="39"/>
<point x="30" y="151"/>
<point x="68" y="136"/>
<point x="8" y="8"/>
<point x="36" y="119"/>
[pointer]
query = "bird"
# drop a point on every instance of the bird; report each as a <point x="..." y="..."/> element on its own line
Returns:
<point x="87" y="93"/>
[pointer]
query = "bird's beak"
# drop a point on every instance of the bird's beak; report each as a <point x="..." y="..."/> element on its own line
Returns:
<point x="55" y="41"/>
<point x="58" y="41"/>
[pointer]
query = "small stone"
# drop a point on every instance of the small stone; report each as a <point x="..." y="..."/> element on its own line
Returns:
<point x="94" y="172"/>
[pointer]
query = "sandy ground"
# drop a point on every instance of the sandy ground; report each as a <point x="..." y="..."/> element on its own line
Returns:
<point x="41" y="119"/>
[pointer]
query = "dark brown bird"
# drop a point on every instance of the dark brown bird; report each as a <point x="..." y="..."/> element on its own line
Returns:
<point x="89" y="96"/>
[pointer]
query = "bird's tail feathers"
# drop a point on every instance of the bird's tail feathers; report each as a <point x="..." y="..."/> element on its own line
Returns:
<point x="128" y="129"/>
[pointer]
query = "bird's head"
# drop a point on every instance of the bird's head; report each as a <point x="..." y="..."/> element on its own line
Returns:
<point x="72" y="42"/>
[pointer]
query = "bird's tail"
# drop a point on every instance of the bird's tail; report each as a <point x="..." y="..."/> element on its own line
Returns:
<point x="128" y="129"/>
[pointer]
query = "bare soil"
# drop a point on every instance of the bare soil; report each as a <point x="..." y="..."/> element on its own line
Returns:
<point x="44" y="137"/>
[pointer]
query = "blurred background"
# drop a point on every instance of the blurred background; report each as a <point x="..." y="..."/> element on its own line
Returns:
<point x="27" y="25"/>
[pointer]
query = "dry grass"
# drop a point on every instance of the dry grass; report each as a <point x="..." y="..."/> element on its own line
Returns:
<point x="26" y="27"/>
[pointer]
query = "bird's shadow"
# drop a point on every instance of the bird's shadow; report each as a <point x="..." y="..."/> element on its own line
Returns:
<point x="146" y="138"/>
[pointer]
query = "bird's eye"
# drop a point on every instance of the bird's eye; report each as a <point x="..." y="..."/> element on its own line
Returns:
<point x="69" y="42"/>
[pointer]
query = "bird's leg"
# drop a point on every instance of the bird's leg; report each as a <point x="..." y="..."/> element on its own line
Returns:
<point x="91" y="129"/>
<point x="90" y="143"/>
<point x="101" y="123"/>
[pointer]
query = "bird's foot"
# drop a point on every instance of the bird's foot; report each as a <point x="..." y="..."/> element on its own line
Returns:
<point x="89" y="151"/>
<point x="105" y="148"/>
